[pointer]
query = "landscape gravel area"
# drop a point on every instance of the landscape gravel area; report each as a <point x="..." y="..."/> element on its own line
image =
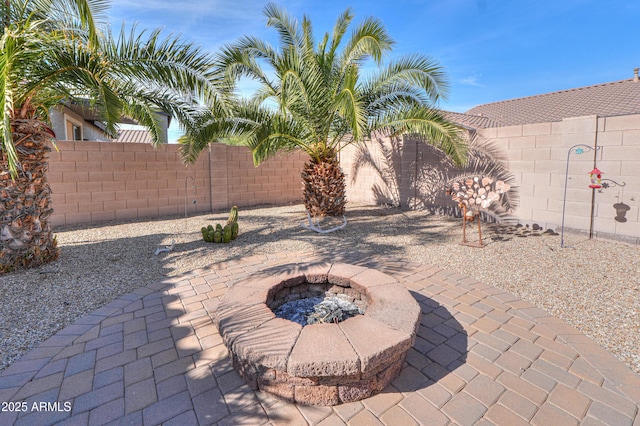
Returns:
<point x="592" y="284"/>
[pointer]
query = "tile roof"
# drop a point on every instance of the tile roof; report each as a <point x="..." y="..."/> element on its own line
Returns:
<point x="133" y="136"/>
<point x="607" y="99"/>
<point x="471" y="121"/>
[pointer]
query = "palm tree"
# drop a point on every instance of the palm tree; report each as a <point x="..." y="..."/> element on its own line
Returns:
<point x="314" y="97"/>
<point x="58" y="50"/>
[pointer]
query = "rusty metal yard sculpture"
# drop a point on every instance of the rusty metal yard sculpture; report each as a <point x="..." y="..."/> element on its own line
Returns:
<point x="474" y="195"/>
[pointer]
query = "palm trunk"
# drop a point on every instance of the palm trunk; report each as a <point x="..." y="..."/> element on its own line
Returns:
<point x="26" y="238"/>
<point x="324" y="187"/>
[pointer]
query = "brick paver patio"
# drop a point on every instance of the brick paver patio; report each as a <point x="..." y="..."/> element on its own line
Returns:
<point x="482" y="356"/>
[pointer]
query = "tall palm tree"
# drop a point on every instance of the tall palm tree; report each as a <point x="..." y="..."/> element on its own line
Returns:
<point x="314" y="96"/>
<point x="60" y="50"/>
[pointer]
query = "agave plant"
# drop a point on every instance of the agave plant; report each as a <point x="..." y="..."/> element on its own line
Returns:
<point x="61" y="50"/>
<point x="313" y="96"/>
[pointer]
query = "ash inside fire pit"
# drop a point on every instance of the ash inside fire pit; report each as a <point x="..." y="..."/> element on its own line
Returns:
<point x="316" y="310"/>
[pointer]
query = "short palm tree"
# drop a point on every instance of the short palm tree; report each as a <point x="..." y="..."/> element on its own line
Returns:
<point x="56" y="50"/>
<point x="314" y="97"/>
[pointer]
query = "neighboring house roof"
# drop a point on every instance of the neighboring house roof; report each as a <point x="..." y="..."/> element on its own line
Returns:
<point x="607" y="99"/>
<point x="471" y="121"/>
<point x="90" y="115"/>
<point x="133" y="136"/>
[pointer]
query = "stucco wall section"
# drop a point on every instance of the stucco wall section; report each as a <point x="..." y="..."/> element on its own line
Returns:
<point x="58" y="124"/>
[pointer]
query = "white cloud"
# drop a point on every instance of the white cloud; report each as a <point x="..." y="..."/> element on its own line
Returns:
<point x="209" y="23"/>
<point x="212" y="23"/>
<point x="472" y="81"/>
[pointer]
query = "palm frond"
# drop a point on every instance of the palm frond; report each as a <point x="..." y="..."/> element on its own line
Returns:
<point x="369" y="39"/>
<point x="348" y="104"/>
<point x="307" y="35"/>
<point x="268" y="131"/>
<point x="429" y="125"/>
<point x="169" y="61"/>
<point x="89" y="16"/>
<point x="286" y="26"/>
<point x="239" y="59"/>
<point x="414" y="71"/>
<point x="339" y="29"/>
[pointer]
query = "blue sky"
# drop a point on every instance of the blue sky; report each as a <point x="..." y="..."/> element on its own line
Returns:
<point x="492" y="49"/>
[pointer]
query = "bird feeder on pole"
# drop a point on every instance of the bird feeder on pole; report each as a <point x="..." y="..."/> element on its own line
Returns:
<point x="595" y="176"/>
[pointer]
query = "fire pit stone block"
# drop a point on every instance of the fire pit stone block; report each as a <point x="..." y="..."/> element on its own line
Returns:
<point x="320" y="364"/>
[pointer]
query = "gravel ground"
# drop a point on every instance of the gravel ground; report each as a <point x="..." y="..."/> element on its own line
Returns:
<point x="593" y="285"/>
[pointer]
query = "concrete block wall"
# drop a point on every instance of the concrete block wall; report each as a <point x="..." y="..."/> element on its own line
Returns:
<point x="620" y="161"/>
<point x="387" y="171"/>
<point x="373" y="177"/>
<point x="98" y="181"/>
<point x="94" y="182"/>
<point x="538" y="155"/>
<point x="236" y="181"/>
<point x="409" y="173"/>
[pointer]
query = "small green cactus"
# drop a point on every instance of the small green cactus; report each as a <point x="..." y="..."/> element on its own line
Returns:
<point x="233" y="215"/>
<point x="226" y="234"/>
<point x="222" y="234"/>
<point x="234" y="230"/>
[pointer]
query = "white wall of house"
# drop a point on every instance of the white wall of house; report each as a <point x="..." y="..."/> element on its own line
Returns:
<point x="61" y="118"/>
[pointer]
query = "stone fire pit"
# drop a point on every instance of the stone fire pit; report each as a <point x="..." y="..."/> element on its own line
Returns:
<point x="319" y="364"/>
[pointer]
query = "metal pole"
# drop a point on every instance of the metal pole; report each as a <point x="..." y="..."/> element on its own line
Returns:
<point x="210" y="165"/>
<point x="186" y="192"/>
<point x="593" y="190"/>
<point x="593" y="206"/>
<point x="415" y="179"/>
<point x="566" y="179"/>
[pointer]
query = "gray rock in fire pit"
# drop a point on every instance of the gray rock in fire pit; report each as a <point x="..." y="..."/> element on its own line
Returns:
<point x="316" y="310"/>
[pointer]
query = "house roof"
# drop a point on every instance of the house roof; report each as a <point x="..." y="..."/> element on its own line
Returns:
<point x="607" y="99"/>
<point x="133" y="136"/>
<point x="471" y="121"/>
<point x="90" y="114"/>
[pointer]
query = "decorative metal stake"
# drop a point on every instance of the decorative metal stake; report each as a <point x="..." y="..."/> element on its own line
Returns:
<point x="579" y="150"/>
<point x="605" y="184"/>
<point x="186" y="194"/>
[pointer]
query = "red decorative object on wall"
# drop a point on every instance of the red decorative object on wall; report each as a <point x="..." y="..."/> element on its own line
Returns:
<point x="596" y="177"/>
